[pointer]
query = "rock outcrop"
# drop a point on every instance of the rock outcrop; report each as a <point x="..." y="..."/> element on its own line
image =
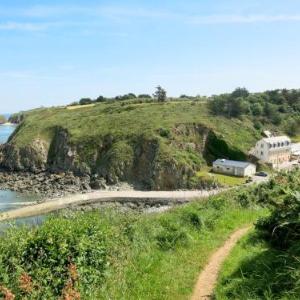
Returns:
<point x="149" y="162"/>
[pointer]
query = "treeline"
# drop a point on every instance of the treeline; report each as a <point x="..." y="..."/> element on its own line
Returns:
<point x="279" y="107"/>
<point x="159" y="95"/>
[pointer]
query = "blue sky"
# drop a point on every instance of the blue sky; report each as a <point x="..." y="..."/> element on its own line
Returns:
<point x="55" y="52"/>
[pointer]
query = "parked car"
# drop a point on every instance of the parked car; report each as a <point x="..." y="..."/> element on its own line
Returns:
<point x="261" y="174"/>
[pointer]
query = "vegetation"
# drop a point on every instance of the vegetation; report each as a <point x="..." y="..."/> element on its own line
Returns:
<point x="2" y="119"/>
<point x="279" y="107"/>
<point x="113" y="255"/>
<point x="220" y="179"/>
<point x="265" y="265"/>
<point x="160" y="94"/>
<point x="167" y="142"/>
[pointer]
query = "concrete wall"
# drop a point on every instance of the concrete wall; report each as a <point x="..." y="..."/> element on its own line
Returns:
<point x="235" y="171"/>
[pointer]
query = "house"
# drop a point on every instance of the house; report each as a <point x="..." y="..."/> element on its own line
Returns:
<point x="235" y="168"/>
<point x="295" y="149"/>
<point x="274" y="150"/>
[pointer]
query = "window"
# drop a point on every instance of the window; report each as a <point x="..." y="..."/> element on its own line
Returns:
<point x="262" y="153"/>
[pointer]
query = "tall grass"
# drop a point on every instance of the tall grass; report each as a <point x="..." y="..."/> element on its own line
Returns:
<point x="266" y="265"/>
<point x="113" y="255"/>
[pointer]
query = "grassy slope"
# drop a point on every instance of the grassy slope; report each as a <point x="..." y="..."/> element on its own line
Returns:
<point x="266" y="264"/>
<point x="158" y="256"/>
<point x="257" y="271"/>
<point x="122" y="119"/>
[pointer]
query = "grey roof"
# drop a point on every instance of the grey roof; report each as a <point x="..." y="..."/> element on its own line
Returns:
<point x="232" y="163"/>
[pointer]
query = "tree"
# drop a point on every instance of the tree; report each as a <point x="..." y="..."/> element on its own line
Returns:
<point x="160" y="94"/>
<point x="144" y="96"/>
<point x="100" y="99"/>
<point x="85" y="101"/>
<point x="257" y="109"/>
<point x="240" y="93"/>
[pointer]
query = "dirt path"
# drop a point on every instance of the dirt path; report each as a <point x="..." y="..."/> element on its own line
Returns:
<point x="153" y="197"/>
<point x="208" y="277"/>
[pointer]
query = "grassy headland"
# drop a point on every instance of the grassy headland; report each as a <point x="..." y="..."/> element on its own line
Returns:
<point x="155" y="145"/>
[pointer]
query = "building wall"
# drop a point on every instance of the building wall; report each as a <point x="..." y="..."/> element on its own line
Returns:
<point x="235" y="171"/>
<point x="272" y="155"/>
<point x="250" y="170"/>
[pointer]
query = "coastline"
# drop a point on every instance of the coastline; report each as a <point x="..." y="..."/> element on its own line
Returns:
<point x="8" y="124"/>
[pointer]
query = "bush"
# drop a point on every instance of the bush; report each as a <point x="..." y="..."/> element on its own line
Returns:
<point x="282" y="227"/>
<point x="46" y="255"/>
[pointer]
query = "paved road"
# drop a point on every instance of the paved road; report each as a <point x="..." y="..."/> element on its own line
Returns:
<point x="153" y="197"/>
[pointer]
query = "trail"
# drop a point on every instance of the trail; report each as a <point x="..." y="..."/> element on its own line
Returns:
<point x="208" y="277"/>
<point x="151" y="197"/>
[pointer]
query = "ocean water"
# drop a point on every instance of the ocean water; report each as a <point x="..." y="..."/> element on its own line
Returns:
<point x="5" y="132"/>
<point x="11" y="200"/>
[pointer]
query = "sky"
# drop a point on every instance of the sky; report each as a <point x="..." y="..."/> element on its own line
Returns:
<point x="56" y="52"/>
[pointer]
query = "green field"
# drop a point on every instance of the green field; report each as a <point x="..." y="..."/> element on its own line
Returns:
<point x="224" y="180"/>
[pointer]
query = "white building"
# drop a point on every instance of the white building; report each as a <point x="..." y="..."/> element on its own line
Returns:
<point x="273" y="150"/>
<point x="235" y="168"/>
<point x="295" y="148"/>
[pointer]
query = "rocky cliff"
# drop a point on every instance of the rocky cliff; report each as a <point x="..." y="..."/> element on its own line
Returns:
<point x="165" y="157"/>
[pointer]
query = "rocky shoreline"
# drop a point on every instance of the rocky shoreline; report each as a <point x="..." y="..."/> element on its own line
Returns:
<point x="51" y="185"/>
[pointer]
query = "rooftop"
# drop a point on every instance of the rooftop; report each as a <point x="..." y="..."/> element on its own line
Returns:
<point x="232" y="163"/>
<point x="276" y="139"/>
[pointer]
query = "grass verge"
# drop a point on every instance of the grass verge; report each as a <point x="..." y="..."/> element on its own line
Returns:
<point x="255" y="270"/>
<point x="224" y="180"/>
<point x="113" y="255"/>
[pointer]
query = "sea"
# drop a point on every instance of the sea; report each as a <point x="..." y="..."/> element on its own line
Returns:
<point x="12" y="200"/>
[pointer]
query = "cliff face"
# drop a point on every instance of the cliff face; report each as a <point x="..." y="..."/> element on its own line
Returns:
<point x="152" y="162"/>
<point x="151" y="145"/>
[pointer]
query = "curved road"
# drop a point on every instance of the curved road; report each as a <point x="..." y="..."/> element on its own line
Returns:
<point x="151" y="197"/>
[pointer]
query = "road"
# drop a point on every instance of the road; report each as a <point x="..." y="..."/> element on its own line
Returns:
<point x="153" y="197"/>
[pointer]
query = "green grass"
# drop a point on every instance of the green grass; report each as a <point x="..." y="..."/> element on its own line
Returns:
<point x="266" y="264"/>
<point x="124" y="118"/>
<point x="121" y="256"/>
<point x="256" y="271"/>
<point x="224" y="180"/>
<point x="156" y="145"/>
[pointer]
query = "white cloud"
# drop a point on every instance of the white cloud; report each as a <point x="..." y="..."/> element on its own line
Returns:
<point x="227" y="19"/>
<point x="23" y="26"/>
<point x="42" y="17"/>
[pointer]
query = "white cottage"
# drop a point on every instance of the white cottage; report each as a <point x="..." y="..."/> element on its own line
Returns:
<point x="233" y="167"/>
<point x="273" y="150"/>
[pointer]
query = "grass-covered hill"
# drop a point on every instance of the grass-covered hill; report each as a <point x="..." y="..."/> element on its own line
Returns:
<point x="156" y="145"/>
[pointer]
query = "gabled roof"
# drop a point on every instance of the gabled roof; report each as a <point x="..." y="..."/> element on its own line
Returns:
<point x="232" y="163"/>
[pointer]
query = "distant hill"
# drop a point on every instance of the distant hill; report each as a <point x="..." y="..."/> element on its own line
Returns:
<point x="3" y="119"/>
